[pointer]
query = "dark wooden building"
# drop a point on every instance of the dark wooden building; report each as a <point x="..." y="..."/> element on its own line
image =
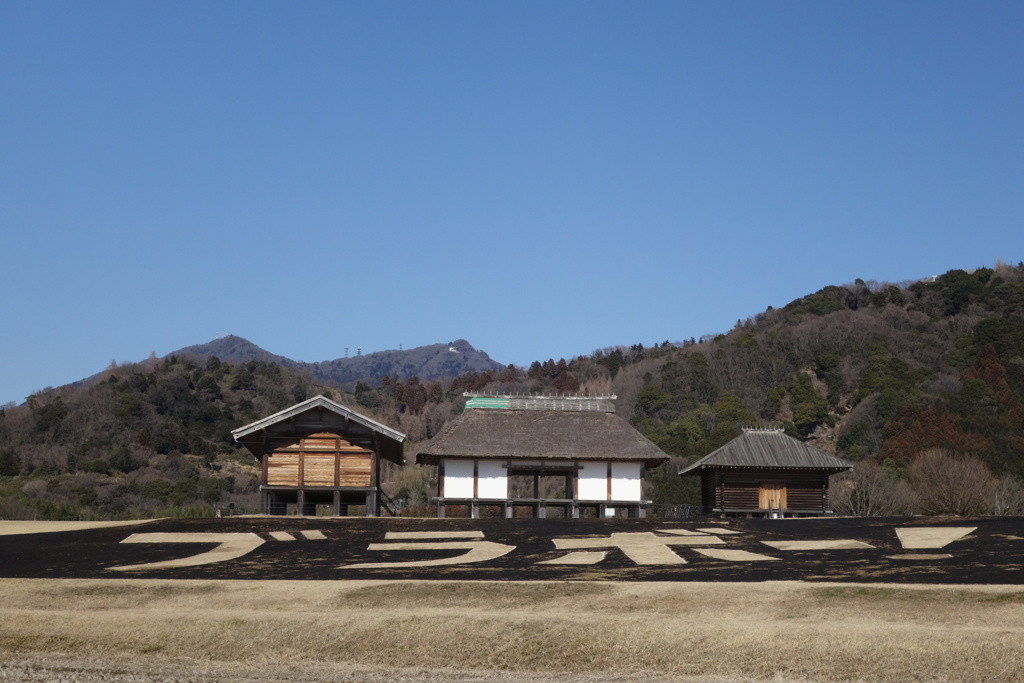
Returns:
<point x="549" y="455"/>
<point x="319" y="452"/>
<point x="764" y="472"/>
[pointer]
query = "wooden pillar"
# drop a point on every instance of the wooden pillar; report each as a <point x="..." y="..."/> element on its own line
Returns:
<point x="440" y="509"/>
<point x="371" y="503"/>
<point x="474" y="508"/>
<point x="300" y="497"/>
<point x="575" y="481"/>
<point x="336" y="511"/>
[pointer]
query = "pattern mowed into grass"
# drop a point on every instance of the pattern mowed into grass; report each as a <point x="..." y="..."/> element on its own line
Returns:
<point x="965" y="551"/>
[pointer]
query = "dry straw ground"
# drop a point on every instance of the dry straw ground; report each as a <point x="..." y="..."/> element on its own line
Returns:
<point x="145" y="630"/>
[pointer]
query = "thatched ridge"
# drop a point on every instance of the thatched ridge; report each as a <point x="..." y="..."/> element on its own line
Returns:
<point x="540" y="434"/>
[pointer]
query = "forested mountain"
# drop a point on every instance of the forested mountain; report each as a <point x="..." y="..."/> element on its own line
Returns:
<point x="434" y="361"/>
<point x="889" y="376"/>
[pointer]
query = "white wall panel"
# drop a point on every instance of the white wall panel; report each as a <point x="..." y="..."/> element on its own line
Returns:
<point x="593" y="481"/>
<point x="626" y="480"/>
<point x="492" y="479"/>
<point x="458" y="478"/>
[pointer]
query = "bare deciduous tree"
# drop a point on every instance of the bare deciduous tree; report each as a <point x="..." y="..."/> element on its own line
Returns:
<point x="952" y="484"/>
<point x="869" y="491"/>
<point x="1008" y="496"/>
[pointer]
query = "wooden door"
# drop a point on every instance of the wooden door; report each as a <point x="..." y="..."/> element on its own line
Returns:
<point x="773" y="495"/>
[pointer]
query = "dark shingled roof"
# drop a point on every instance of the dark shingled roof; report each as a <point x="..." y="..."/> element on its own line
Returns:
<point x="322" y="414"/>
<point x="768" y="448"/>
<point x="540" y="434"/>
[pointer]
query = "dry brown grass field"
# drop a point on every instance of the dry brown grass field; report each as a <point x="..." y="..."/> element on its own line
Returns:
<point x="199" y="630"/>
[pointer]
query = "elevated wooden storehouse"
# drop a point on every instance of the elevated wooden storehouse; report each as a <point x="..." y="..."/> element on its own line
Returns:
<point x="320" y="452"/>
<point x="566" y="453"/>
<point x="764" y="472"/>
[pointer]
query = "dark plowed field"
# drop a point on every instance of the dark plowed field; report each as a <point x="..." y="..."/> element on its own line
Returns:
<point x="928" y="550"/>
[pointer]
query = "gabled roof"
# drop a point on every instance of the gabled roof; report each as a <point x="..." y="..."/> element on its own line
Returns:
<point x="319" y="414"/>
<point x="540" y="435"/>
<point x="768" y="449"/>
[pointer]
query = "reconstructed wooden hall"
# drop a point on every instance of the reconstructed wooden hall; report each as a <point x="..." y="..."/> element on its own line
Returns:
<point x="764" y="472"/>
<point x="548" y="455"/>
<point x="319" y="452"/>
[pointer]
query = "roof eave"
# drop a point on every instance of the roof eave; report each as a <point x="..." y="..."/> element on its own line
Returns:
<point x="309" y="404"/>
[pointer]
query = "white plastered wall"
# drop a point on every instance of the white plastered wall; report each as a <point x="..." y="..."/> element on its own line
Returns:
<point x="492" y="479"/>
<point x="458" y="478"/>
<point x="626" y="480"/>
<point x="593" y="481"/>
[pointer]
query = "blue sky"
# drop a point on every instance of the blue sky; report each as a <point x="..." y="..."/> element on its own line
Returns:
<point x="543" y="179"/>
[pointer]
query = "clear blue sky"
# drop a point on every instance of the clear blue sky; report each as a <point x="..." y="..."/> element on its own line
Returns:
<point x="542" y="179"/>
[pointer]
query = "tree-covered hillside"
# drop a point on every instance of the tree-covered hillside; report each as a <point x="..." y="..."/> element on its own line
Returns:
<point x="877" y="373"/>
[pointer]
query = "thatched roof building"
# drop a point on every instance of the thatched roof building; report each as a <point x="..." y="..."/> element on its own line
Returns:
<point x="551" y="434"/>
<point x="766" y="472"/>
<point x="598" y="455"/>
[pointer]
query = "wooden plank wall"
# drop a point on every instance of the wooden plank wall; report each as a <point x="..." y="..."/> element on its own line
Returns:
<point x="319" y="460"/>
<point x="355" y="469"/>
<point x="741" y="489"/>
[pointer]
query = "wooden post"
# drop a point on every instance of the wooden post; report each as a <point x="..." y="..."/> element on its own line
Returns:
<point x="300" y="497"/>
<point x="575" y="480"/>
<point x="371" y="503"/>
<point x="336" y="512"/>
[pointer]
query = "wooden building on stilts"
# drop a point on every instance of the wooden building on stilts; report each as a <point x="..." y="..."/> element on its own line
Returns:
<point x="319" y="452"/>
<point x="766" y="473"/>
<point x="542" y="456"/>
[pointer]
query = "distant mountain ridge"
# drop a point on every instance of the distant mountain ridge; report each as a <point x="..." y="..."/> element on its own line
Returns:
<point x="431" y="362"/>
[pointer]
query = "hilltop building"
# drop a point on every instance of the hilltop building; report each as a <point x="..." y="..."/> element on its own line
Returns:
<point x="558" y="455"/>
<point x="320" y="452"/>
<point x="764" y="472"/>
